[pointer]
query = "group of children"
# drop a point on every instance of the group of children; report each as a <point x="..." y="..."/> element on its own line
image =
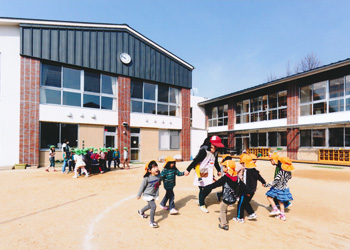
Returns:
<point x="78" y="160"/>
<point x="238" y="183"/>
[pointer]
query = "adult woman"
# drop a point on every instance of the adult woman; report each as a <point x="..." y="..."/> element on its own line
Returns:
<point x="204" y="163"/>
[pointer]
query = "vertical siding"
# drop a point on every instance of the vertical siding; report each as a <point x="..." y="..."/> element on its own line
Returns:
<point x="100" y="49"/>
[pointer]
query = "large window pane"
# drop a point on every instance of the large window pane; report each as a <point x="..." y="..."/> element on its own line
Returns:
<point x="305" y="138"/>
<point x="238" y="109"/>
<point x="149" y="91"/>
<point x="214" y="112"/>
<point x="282" y="98"/>
<point x="306" y="109"/>
<point x="255" y="104"/>
<point x="49" y="134"/>
<point x="254" y="117"/>
<point x="136" y="106"/>
<point x="72" y="99"/>
<point x="254" y="139"/>
<point x="91" y="82"/>
<point x="50" y="75"/>
<point x="319" y="91"/>
<point x="245" y="118"/>
<point x="336" y="106"/>
<point x="136" y="89"/>
<point x="272" y="139"/>
<point x="174" y="96"/>
<point x="174" y="139"/>
<point x="282" y="113"/>
<point x="164" y="139"/>
<point x="91" y="101"/>
<point x="163" y="93"/>
<point x="263" y="116"/>
<point x="225" y="110"/>
<point x="319" y="138"/>
<point x="320" y="108"/>
<point x="264" y="102"/>
<point x="273" y="115"/>
<point x="162" y="109"/>
<point x="108" y="103"/>
<point x="109" y="85"/>
<point x="70" y="133"/>
<point x="174" y="110"/>
<point x="71" y="78"/>
<point x="347" y="85"/>
<point x="347" y="137"/>
<point x="149" y="108"/>
<point x="347" y="104"/>
<point x="238" y="119"/>
<point x="262" y="139"/>
<point x="306" y="94"/>
<point x="50" y="96"/>
<point x="282" y="139"/>
<point x="336" y="88"/>
<point x="245" y="106"/>
<point x="336" y="137"/>
<point x="273" y="101"/>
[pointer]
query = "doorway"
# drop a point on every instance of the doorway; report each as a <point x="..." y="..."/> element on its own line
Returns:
<point x="110" y="137"/>
<point x="135" y="144"/>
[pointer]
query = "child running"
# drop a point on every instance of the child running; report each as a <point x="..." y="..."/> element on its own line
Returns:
<point x="229" y="185"/>
<point x="79" y="163"/>
<point x="168" y="176"/>
<point x="250" y="178"/>
<point x="279" y="188"/>
<point x="150" y="190"/>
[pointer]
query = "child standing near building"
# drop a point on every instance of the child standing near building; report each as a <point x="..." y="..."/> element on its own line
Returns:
<point x="79" y="163"/>
<point x="116" y="157"/>
<point x="52" y="154"/>
<point x="126" y="158"/>
<point x="279" y="188"/>
<point x="250" y="177"/>
<point x="168" y="176"/>
<point x="150" y="190"/>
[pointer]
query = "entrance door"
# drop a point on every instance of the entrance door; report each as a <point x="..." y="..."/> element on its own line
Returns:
<point x="135" y="144"/>
<point x="110" y="136"/>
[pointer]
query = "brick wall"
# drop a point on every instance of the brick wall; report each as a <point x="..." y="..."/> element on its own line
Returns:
<point x="124" y="108"/>
<point x="29" y="112"/>
<point x="185" y="136"/>
<point x="231" y="140"/>
<point x="231" y="115"/>
<point x="293" y="138"/>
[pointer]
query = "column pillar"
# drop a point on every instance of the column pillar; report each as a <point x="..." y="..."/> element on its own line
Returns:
<point x="185" y="135"/>
<point x="293" y="139"/>
<point x="124" y="109"/>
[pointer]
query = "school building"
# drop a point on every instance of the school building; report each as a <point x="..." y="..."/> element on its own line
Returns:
<point x="92" y="84"/>
<point x="305" y="116"/>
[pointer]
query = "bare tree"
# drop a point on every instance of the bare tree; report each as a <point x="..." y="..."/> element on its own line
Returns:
<point x="271" y="77"/>
<point x="310" y="61"/>
<point x="288" y="70"/>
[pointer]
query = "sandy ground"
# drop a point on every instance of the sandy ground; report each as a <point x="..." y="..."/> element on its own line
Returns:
<point x="41" y="210"/>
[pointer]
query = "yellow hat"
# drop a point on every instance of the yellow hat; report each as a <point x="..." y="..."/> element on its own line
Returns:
<point x="231" y="165"/>
<point x="224" y="156"/>
<point x="275" y="157"/>
<point x="168" y="159"/>
<point x="287" y="164"/>
<point x="248" y="161"/>
<point x="147" y="167"/>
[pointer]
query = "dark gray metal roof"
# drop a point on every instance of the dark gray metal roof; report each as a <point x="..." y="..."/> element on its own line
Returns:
<point x="278" y="81"/>
<point x="98" y="46"/>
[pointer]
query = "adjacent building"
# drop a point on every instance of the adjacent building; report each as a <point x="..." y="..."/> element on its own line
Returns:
<point x="101" y="85"/>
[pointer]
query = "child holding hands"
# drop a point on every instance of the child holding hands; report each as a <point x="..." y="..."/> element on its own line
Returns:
<point x="150" y="190"/>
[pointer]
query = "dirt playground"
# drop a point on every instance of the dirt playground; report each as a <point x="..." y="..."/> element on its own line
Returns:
<point x="41" y="210"/>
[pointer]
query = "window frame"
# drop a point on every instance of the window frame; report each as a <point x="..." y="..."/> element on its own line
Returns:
<point x="168" y="134"/>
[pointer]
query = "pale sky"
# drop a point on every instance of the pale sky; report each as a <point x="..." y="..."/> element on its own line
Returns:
<point x="232" y="44"/>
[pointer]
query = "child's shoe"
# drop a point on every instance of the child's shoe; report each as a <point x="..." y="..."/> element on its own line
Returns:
<point x="47" y="170"/>
<point x="75" y="176"/>
<point x="275" y="212"/>
<point x="288" y="205"/>
<point x="281" y="217"/>
<point x="204" y="209"/>
<point x="143" y="215"/>
<point x="87" y="175"/>
<point x="174" y="211"/>
<point x="224" y="227"/>
<point x="252" y="216"/>
<point x="153" y="224"/>
<point x="238" y="220"/>
<point x="163" y="207"/>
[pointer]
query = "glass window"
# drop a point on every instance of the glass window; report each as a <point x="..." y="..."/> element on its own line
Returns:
<point x="254" y="139"/>
<point x="238" y="108"/>
<point x="305" y="138"/>
<point x="245" y="106"/>
<point x="264" y="102"/>
<point x="109" y="85"/>
<point x="110" y="129"/>
<point x="263" y="116"/>
<point x="108" y="103"/>
<point x="71" y="99"/>
<point x="136" y="89"/>
<point x="262" y="139"/>
<point x="245" y="118"/>
<point x="91" y="101"/>
<point x="48" y="96"/>
<point x="319" y="138"/>
<point x="164" y="139"/>
<point x="70" y="132"/>
<point x="336" y="88"/>
<point x="336" y="105"/>
<point x="282" y="98"/>
<point x="49" y="134"/>
<point x="149" y="91"/>
<point x="255" y="104"/>
<point x="273" y="115"/>
<point x="174" y="139"/>
<point x="282" y="139"/>
<point x="149" y="108"/>
<point x="71" y="78"/>
<point x="305" y="94"/>
<point x="347" y="137"/>
<point x="238" y="119"/>
<point x="273" y="101"/>
<point x="50" y="75"/>
<point x="282" y="113"/>
<point x="306" y="109"/>
<point x="162" y="109"/>
<point x="319" y="91"/>
<point x="91" y="82"/>
<point x="347" y="85"/>
<point x="254" y="117"/>
<point x="336" y="137"/>
<point x="136" y="106"/>
<point x="174" y="110"/>
<point x="214" y="112"/>
<point x="163" y="93"/>
<point x="272" y="139"/>
<point x="347" y="104"/>
<point x="320" y="108"/>
<point x="174" y="96"/>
